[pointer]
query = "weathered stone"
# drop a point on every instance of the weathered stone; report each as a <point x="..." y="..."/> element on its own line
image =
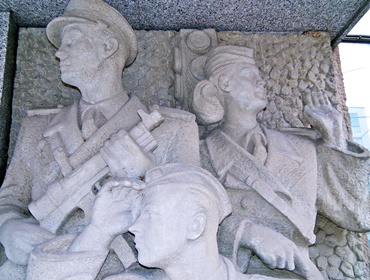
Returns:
<point x="334" y="273"/>
<point x="360" y="269"/>
<point x="330" y="228"/>
<point x="315" y="70"/>
<point x="353" y="240"/>
<point x="331" y="240"/>
<point x="347" y="269"/>
<point x="334" y="261"/>
<point x="324" y="67"/>
<point x="286" y="91"/>
<point x="359" y="252"/>
<point x="322" y="263"/>
<point x="320" y="236"/>
<point x="321" y="222"/>
<point x="325" y="250"/>
<point x="8" y="38"/>
<point x="293" y="74"/>
<point x="293" y="83"/>
<point x="314" y="252"/>
<point x="302" y="85"/>
<point x="341" y="235"/>
<point x="346" y="254"/>
<point x="283" y="50"/>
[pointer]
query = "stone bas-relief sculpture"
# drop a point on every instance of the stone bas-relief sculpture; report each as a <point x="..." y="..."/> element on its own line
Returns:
<point x="277" y="182"/>
<point x="179" y="209"/>
<point x="62" y="155"/>
<point x="24" y="157"/>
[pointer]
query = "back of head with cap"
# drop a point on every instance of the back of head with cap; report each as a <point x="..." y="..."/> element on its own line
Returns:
<point x="95" y="11"/>
<point x="192" y="179"/>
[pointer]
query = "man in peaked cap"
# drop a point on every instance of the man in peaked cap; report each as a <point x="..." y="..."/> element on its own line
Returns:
<point x="94" y="44"/>
<point x="179" y="210"/>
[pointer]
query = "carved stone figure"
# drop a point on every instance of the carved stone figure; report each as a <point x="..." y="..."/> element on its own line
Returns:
<point x="62" y="155"/>
<point x="179" y="209"/>
<point x="277" y="181"/>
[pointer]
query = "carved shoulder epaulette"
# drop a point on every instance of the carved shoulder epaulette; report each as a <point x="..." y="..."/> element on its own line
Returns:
<point x="178" y="114"/>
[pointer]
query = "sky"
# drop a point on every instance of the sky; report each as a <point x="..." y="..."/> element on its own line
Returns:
<point x="355" y="60"/>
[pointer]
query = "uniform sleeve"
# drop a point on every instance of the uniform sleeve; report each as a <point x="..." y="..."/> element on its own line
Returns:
<point x="15" y="193"/>
<point x="177" y="138"/>
<point x="52" y="260"/>
<point x="343" y="178"/>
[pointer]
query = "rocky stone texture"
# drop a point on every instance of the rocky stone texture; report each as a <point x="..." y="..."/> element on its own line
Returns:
<point x="8" y="39"/>
<point x="151" y="77"/>
<point x="291" y="65"/>
<point x="338" y="253"/>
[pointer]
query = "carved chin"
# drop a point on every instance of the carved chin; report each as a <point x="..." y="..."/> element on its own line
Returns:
<point x="143" y="260"/>
<point x="67" y="76"/>
<point x="71" y="78"/>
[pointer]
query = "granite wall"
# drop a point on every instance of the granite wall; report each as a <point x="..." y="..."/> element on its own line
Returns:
<point x="8" y="46"/>
<point x="291" y="65"/>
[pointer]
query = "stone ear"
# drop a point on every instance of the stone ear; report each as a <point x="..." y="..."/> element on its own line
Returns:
<point x="110" y="46"/>
<point x="223" y="83"/>
<point x="197" y="226"/>
<point x="206" y="105"/>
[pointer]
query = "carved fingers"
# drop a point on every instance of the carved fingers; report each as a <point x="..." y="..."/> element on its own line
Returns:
<point x="114" y="205"/>
<point x="124" y="157"/>
<point x="319" y="112"/>
<point x="275" y="250"/>
<point x="290" y="259"/>
<point x="279" y="258"/>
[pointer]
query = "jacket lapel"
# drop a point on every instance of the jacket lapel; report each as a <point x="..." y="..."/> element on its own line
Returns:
<point x="284" y="164"/>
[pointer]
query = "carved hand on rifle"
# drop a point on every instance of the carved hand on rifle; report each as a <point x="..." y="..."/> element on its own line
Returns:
<point x="124" y="156"/>
<point x="319" y="112"/>
<point x="274" y="249"/>
<point x="20" y="236"/>
<point x="112" y="214"/>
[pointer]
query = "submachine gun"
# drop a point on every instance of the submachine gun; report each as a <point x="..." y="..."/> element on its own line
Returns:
<point x="77" y="188"/>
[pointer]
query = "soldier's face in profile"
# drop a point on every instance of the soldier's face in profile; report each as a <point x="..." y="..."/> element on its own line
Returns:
<point x="246" y="87"/>
<point x="79" y="54"/>
<point x="160" y="230"/>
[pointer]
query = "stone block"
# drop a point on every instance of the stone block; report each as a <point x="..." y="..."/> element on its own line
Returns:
<point x="320" y="236"/>
<point x="334" y="273"/>
<point x="359" y="269"/>
<point x="334" y="261"/>
<point x="8" y="41"/>
<point x="347" y="269"/>
<point x="331" y="241"/>
<point x="346" y="254"/>
<point x="325" y="250"/>
<point x="322" y="263"/>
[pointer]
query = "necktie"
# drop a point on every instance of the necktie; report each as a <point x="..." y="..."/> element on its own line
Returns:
<point x="88" y="124"/>
<point x="256" y="146"/>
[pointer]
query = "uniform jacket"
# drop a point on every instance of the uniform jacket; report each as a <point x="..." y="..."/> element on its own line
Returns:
<point x="33" y="166"/>
<point x="299" y="179"/>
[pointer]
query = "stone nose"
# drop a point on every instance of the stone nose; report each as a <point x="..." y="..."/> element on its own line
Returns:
<point x="61" y="53"/>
